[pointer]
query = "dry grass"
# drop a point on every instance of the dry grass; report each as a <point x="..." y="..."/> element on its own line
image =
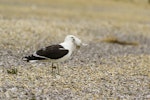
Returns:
<point x="113" y="39"/>
<point x="99" y="71"/>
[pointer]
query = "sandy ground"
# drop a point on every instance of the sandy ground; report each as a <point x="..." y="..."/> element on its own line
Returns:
<point x="103" y="70"/>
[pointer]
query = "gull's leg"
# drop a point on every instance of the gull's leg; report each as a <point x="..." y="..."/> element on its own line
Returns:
<point x="53" y="67"/>
<point x="58" y="69"/>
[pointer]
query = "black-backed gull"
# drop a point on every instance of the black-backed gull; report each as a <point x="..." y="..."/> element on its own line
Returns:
<point x="57" y="53"/>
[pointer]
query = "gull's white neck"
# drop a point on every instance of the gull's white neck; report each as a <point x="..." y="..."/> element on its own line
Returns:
<point x="68" y="45"/>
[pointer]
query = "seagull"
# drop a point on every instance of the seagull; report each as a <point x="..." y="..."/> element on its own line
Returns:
<point x="57" y="52"/>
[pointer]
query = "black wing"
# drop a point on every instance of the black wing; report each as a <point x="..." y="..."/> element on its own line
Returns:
<point x="52" y="52"/>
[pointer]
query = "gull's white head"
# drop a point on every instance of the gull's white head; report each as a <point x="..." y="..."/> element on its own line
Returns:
<point x="78" y="43"/>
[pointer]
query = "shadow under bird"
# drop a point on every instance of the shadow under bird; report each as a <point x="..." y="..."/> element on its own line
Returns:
<point x="56" y="53"/>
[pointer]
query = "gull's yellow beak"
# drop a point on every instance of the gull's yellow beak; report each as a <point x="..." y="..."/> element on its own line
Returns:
<point x="78" y="47"/>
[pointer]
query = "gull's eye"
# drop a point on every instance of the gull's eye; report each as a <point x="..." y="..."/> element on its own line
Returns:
<point x="73" y="38"/>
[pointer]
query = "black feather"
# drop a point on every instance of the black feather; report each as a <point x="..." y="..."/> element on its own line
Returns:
<point x="50" y="52"/>
<point x="53" y="52"/>
<point x="32" y="57"/>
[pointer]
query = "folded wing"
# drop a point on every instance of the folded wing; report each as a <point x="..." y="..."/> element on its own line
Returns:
<point x="52" y="52"/>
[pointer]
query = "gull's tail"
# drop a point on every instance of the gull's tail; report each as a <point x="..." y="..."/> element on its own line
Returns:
<point x="32" y="58"/>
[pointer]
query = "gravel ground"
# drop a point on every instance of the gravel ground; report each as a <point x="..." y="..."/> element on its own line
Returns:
<point x="99" y="71"/>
